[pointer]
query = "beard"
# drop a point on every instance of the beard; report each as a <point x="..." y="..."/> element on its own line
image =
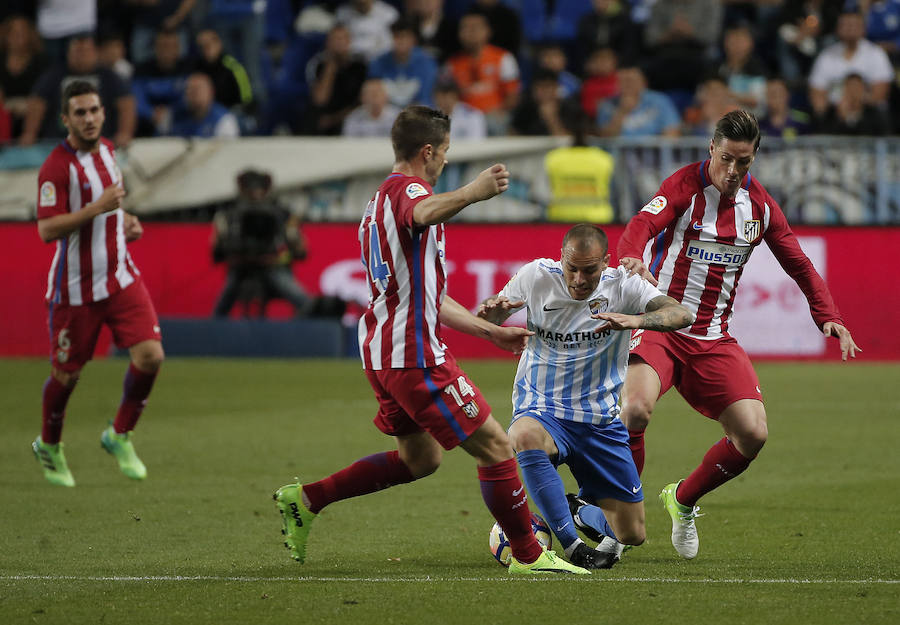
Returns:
<point x="85" y="141"/>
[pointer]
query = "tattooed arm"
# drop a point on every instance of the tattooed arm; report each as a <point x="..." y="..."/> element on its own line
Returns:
<point x="662" y="313"/>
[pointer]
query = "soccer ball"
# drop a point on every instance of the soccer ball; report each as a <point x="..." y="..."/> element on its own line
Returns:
<point x="500" y="544"/>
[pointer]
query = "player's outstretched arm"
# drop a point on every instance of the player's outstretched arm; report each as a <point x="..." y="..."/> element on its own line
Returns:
<point x="439" y="208"/>
<point x="455" y="315"/>
<point x="662" y="314"/>
<point x="848" y="345"/>
<point x="58" y="226"/>
<point x="498" y="308"/>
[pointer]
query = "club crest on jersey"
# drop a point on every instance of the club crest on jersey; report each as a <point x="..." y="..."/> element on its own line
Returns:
<point x="48" y="194"/>
<point x="655" y="206"/>
<point x="415" y="190"/>
<point x="751" y="230"/>
<point x="470" y="409"/>
<point x="598" y="305"/>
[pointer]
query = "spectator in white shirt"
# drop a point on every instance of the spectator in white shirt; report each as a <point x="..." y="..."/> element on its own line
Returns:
<point x="369" y="22"/>
<point x="466" y="121"/>
<point x="375" y="116"/>
<point x="851" y="54"/>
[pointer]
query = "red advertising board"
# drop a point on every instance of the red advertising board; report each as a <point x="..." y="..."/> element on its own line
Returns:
<point x="771" y="318"/>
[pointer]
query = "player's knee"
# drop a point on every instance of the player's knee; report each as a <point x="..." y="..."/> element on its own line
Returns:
<point x="757" y="437"/>
<point x="636" y="413"/>
<point x="424" y="465"/>
<point x="635" y="535"/>
<point x="66" y="378"/>
<point x="150" y="359"/>
<point x="523" y="439"/>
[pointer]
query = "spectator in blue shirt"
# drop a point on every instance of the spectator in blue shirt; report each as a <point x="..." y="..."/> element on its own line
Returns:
<point x="407" y="70"/>
<point x="637" y="111"/>
<point x="158" y="84"/>
<point x="148" y="16"/>
<point x="201" y="115"/>
<point x="883" y="26"/>
<point x="781" y="120"/>
<point x="552" y="57"/>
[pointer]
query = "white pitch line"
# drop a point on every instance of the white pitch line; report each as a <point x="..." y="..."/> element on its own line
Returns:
<point x="242" y="578"/>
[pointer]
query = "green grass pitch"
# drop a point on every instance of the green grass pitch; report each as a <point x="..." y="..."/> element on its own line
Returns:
<point x="810" y="534"/>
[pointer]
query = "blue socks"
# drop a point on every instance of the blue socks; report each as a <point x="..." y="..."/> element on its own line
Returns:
<point x="547" y="490"/>
<point x="593" y="516"/>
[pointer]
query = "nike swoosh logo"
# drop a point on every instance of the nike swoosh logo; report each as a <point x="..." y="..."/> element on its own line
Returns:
<point x="516" y="493"/>
<point x="635" y="489"/>
<point x="558" y="529"/>
<point x="697" y="226"/>
<point x="550" y="309"/>
<point x="758" y="390"/>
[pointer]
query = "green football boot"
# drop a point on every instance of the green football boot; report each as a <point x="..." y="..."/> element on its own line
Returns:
<point x="549" y="562"/>
<point x="53" y="461"/>
<point x="120" y="446"/>
<point x="684" y="531"/>
<point x="296" y="519"/>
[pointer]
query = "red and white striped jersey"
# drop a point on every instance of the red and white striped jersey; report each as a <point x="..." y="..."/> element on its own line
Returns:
<point x="406" y="276"/>
<point x="91" y="263"/>
<point x="695" y="241"/>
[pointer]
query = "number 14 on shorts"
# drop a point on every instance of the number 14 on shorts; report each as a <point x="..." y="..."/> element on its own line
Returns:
<point x="469" y="407"/>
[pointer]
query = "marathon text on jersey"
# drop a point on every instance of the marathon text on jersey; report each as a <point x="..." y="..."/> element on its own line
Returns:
<point x="571" y="337"/>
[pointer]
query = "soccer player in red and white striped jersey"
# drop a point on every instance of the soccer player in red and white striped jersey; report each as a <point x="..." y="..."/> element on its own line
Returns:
<point x="426" y="402"/>
<point x="92" y="282"/>
<point x="694" y="237"/>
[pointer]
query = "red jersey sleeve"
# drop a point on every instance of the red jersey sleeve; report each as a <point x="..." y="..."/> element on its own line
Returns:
<point x="786" y="248"/>
<point x="53" y="189"/>
<point x="665" y="208"/>
<point x="410" y="192"/>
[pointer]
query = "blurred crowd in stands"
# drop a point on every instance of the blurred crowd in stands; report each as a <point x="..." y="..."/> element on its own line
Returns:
<point x="224" y="68"/>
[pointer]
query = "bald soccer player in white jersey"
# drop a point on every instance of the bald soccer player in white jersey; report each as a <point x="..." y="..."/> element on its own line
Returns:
<point x="566" y="392"/>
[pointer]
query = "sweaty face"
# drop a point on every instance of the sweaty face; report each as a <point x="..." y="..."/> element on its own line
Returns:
<point x="582" y="268"/>
<point x="435" y="165"/>
<point x="729" y="163"/>
<point x="84" y="119"/>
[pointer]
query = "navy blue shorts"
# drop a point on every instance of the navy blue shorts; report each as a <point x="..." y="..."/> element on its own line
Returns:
<point x="597" y="455"/>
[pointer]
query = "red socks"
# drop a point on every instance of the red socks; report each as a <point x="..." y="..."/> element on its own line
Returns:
<point x="505" y="497"/>
<point x="366" y="475"/>
<point x="136" y="388"/>
<point x="55" y="398"/>
<point x="721" y="463"/>
<point x="636" y="443"/>
<point x="501" y="488"/>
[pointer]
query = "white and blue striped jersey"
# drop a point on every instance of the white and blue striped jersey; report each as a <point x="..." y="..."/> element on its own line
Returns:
<point x="571" y="369"/>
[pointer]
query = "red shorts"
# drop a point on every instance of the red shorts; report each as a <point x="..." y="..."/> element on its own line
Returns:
<point x="129" y="313"/>
<point x="440" y="400"/>
<point x="710" y="374"/>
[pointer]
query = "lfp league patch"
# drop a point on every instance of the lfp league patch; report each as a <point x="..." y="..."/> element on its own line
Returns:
<point x="655" y="206"/>
<point x="48" y="194"/>
<point x="414" y="190"/>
